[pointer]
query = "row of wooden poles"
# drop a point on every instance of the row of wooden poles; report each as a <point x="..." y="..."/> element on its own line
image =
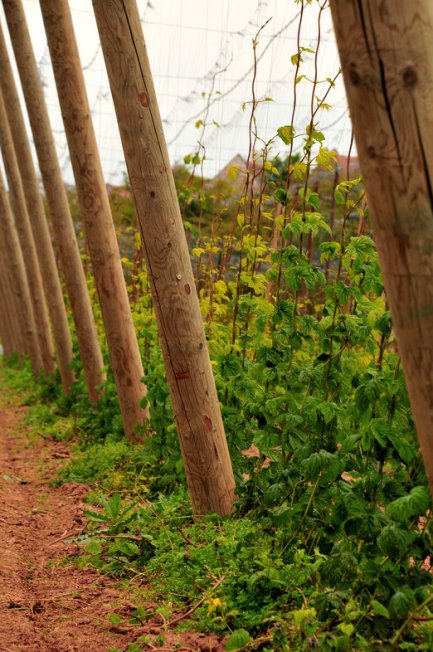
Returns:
<point x="386" y="51"/>
<point x="33" y="316"/>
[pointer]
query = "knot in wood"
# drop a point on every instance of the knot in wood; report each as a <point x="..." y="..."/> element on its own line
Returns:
<point x="179" y="277"/>
<point x="410" y="77"/>
<point x="144" y="100"/>
<point x="371" y="152"/>
<point x="354" y="75"/>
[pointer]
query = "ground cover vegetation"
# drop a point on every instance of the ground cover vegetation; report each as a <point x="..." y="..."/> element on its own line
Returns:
<point x="329" y="546"/>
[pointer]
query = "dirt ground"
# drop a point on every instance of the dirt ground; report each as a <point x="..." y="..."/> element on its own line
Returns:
<point x="46" y="603"/>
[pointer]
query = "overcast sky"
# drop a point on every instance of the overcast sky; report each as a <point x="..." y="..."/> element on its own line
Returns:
<point x="188" y="42"/>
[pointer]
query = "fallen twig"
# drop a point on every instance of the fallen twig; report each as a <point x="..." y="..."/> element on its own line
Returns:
<point x="186" y="538"/>
<point x="64" y="536"/>
<point x="195" y="606"/>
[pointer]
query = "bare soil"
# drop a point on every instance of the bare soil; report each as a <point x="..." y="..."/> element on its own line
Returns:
<point x="46" y="603"/>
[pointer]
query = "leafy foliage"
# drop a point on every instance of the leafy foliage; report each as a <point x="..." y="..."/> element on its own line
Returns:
<point x="330" y="544"/>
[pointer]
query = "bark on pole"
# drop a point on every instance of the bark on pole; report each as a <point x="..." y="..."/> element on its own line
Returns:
<point x="98" y="223"/>
<point x="22" y="220"/>
<point x="35" y="208"/>
<point x="25" y="326"/>
<point x="63" y="229"/>
<point x="189" y="372"/>
<point x="10" y="329"/>
<point x="386" y="51"/>
<point x="7" y="329"/>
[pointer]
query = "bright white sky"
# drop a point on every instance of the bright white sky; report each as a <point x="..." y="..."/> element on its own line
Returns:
<point x="188" y="42"/>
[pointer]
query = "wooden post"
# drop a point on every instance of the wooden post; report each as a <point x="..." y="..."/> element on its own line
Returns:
<point x="25" y="234"/>
<point x="98" y="223"/>
<point x="35" y="209"/>
<point x="7" y="326"/>
<point x="386" y="51"/>
<point x="189" y="372"/>
<point x="63" y="228"/>
<point x="16" y="276"/>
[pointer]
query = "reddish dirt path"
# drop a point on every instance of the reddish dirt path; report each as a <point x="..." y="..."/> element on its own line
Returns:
<point x="46" y="604"/>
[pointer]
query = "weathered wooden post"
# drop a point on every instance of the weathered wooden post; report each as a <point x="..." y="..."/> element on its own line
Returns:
<point x="386" y="51"/>
<point x="7" y="326"/>
<point x="95" y="208"/>
<point x="63" y="228"/>
<point x="27" y="243"/>
<point x="35" y="208"/>
<point x="15" y="271"/>
<point x="195" y="402"/>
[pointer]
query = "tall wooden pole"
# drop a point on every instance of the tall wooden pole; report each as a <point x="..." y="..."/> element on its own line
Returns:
<point x="7" y="327"/>
<point x="189" y="372"/>
<point x="386" y="51"/>
<point x="98" y="223"/>
<point x="16" y="276"/>
<point x="28" y="247"/>
<point x="62" y="224"/>
<point x="35" y="208"/>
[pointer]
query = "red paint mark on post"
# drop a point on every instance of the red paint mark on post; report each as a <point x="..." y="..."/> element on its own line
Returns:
<point x="207" y="422"/>
<point x="182" y="375"/>
<point x="144" y="99"/>
<point x="187" y="288"/>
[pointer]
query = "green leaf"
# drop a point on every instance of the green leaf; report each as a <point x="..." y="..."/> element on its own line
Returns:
<point x="282" y="515"/>
<point x="232" y="172"/>
<point x="275" y="493"/>
<point x="343" y="292"/>
<point x="301" y="615"/>
<point x="329" y="250"/>
<point x="346" y="628"/>
<point x="394" y="541"/>
<point x="128" y="548"/>
<point x="340" y="198"/>
<point x="379" y="609"/>
<point x="405" y="449"/>
<point x="317" y="463"/>
<point x="312" y="199"/>
<point x="280" y="196"/>
<point x="286" y="134"/>
<point x="326" y="158"/>
<point x="230" y="365"/>
<point x="401" y="602"/>
<point x="114" y="505"/>
<point x="413" y="504"/>
<point x="95" y="516"/>
<point x="238" y="640"/>
<point x="93" y="548"/>
<point x="198" y="251"/>
<point x="115" y="619"/>
<point x="360" y="245"/>
<point x="299" y="170"/>
<point x="317" y="136"/>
